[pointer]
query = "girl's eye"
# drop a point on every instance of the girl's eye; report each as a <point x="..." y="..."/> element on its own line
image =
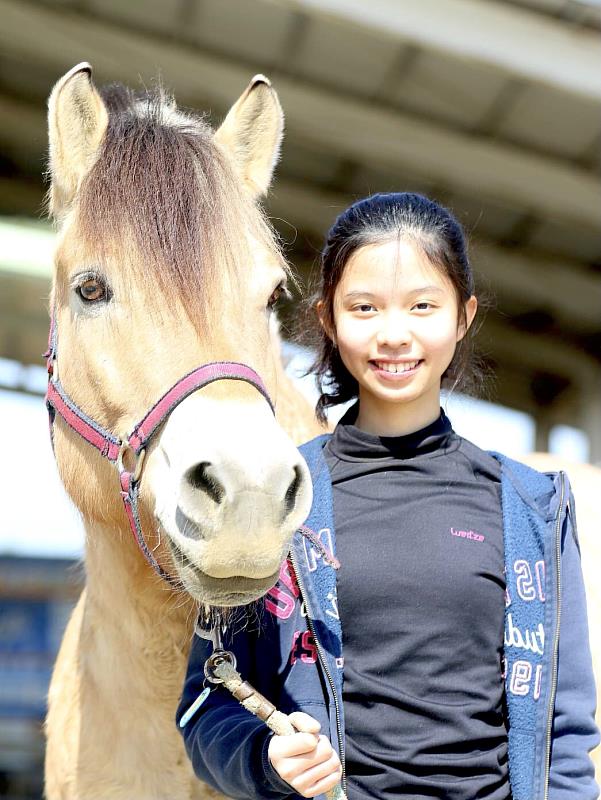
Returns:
<point x="364" y="308"/>
<point x="93" y="290"/>
<point x="423" y="306"/>
<point x="279" y="291"/>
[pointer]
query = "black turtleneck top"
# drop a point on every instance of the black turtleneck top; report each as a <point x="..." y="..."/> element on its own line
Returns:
<point x="421" y="596"/>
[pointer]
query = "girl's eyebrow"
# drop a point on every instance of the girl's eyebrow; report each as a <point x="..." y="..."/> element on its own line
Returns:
<point x="358" y="293"/>
<point x="425" y="289"/>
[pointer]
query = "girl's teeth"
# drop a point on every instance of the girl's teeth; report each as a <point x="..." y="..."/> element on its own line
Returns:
<point x="395" y="368"/>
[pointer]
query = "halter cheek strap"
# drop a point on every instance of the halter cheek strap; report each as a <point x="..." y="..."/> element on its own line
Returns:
<point x="114" y="448"/>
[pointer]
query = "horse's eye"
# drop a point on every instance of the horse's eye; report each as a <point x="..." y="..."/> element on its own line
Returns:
<point x="93" y="290"/>
<point x="279" y="291"/>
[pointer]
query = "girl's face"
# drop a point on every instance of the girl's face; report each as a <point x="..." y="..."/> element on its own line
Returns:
<point x="396" y="327"/>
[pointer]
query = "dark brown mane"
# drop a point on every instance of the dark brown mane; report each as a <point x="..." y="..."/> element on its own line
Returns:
<point x="162" y="185"/>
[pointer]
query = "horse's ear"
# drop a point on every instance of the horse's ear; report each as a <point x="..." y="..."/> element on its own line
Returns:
<point x="77" y="121"/>
<point x="252" y="134"/>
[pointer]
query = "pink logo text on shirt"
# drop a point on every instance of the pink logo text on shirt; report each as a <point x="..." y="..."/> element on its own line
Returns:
<point x="475" y="537"/>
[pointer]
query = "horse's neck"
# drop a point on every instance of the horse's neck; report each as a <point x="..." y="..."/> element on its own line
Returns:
<point x="295" y="414"/>
<point x="116" y="683"/>
<point x="293" y="410"/>
<point x="132" y="616"/>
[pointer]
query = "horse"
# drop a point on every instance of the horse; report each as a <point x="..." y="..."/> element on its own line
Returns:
<point x="172" y="418"/>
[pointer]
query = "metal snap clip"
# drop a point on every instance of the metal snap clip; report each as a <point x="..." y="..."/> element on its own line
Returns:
<point x="217" y="658"/>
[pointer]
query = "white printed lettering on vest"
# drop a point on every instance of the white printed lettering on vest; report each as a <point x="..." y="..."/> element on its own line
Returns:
<point x="537" y="681"/>
<point x="539" y="569"/>
<point x="524" y="584"/>
<point x="521" y="672"/>
<point x="311" y="554"/>
<point x="334" y="603"/>
<point x="521" y="681"/>
<point x="524" y="640"/>
<point x="525" y="580"/>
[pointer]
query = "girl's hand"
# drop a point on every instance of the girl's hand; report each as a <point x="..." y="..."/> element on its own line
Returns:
<point x="305" y="760"/>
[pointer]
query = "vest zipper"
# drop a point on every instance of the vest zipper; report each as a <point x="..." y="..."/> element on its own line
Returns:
<point x="556" y="638"/>
<point x="324" y="665"/>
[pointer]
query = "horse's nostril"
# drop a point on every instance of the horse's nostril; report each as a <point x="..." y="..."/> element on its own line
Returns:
<point x="292" y="490"/>
<point x="200" y="477"/>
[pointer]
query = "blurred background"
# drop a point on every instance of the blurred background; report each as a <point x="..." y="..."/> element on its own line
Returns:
<point x="493" y="108"/>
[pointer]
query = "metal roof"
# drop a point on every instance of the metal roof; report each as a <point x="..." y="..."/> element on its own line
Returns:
<point x="492" y="107"/>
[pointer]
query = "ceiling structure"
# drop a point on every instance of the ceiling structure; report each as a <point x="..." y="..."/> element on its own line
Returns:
<point x="493" y="108"/>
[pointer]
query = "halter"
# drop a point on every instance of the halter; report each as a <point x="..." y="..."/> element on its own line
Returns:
<point x="115" y="449"/>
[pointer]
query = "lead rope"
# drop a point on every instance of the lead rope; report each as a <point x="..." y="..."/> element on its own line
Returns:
<point x="221" y="665"/>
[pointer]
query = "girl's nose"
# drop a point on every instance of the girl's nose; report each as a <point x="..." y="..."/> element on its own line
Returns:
<point x="394" y="332"/>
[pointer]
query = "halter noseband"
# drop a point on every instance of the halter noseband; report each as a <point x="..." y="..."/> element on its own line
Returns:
<point x="114" y="448"/>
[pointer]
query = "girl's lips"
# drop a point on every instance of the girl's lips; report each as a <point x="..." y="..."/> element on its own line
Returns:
<point x="385" y="369"/>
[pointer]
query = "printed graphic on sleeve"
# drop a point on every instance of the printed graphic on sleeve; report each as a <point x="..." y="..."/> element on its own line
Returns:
<point x="281" y="599"/>
<point x="303" y="648"/>
<point x="524" y="631"/>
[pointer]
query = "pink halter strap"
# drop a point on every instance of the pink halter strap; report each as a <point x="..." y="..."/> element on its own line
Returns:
<point x="113" y="448"/>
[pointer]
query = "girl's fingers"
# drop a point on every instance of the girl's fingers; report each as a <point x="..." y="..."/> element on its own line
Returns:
<point x="319" y="779"/>
<point x="324" y="770"/>
<point x="315" y="764"/>
<point x="296" y="745"/>
<point x="304" y="723"/>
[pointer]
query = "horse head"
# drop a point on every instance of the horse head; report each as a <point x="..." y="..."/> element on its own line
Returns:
<point x="165" y="262"/>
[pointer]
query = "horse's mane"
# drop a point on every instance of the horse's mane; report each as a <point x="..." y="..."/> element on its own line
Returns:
<point x="162" y="185"/>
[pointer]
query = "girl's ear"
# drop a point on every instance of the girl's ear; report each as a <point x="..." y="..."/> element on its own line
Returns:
<point x="471" y="307"/>
<point x="324" y="322"/>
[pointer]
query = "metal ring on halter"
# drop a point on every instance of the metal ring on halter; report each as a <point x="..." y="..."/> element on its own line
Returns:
<point x="137" y="470"/>
<point x="214" y="660"/>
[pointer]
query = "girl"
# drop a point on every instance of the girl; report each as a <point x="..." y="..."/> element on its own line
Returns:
<point x="444" y="581"/>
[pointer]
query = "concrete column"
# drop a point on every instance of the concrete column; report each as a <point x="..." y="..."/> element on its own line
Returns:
<point x="543" y="422"/>
<point x="591" y="417"/>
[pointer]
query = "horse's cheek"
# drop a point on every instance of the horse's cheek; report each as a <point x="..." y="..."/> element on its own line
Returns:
<point x="97" y="497"/>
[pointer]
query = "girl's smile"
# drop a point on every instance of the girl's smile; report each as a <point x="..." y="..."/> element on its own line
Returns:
<point x="393" y="370"/>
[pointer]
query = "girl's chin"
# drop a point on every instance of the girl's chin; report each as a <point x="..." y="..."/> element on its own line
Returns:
<point x="390" y="392"/>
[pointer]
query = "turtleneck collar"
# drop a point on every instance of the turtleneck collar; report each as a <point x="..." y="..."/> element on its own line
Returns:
<point x="350" y="443"/>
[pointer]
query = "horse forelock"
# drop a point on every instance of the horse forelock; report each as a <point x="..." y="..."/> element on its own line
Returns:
<point x="161" y="185"/>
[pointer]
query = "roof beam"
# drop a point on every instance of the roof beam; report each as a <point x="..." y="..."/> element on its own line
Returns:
<point x="353" y="129"/>
<point x="536" y="353"/>
<point x="519" y="41"/>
